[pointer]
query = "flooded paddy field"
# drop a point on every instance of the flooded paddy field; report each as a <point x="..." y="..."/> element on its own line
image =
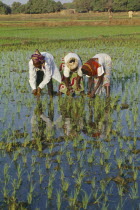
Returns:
<point x="70" y="152"/>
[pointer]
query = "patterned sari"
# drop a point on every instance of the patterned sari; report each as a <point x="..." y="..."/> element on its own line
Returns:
<point x="73" y="77"/>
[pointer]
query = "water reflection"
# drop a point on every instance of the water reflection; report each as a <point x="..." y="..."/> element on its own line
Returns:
<point x="76" y="117"/>
<point x="98" y="123"/>
<point x="42" y="125"/>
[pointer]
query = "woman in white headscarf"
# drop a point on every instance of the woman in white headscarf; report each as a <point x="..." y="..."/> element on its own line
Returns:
<point x="72" y="81"/>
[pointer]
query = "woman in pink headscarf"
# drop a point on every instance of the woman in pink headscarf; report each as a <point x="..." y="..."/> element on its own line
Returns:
<point x="42" y="69"/>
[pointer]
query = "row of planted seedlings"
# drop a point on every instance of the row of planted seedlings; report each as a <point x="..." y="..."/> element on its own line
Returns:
<point x="87" y="158"/>
<point x="79" y="168"/>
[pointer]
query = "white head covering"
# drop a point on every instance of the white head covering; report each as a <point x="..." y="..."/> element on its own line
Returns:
<point x="72" y="63"/>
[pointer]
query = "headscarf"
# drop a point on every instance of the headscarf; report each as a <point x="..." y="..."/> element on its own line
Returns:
<point x="38" y="58"/>
<point x="72" y="63"/>
<point x="90" y="67"/>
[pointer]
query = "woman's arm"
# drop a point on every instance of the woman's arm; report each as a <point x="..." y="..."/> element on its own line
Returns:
<point x="90" y="83"/>
<point x="100" y="79"/>
<point x="47" y="76"/>
<point x="32" y="75"/>
<point x="107" y="91"/>
<point x="78" y="80"/>
<point x="67" y="83"/>
<point x="67" y="79"/>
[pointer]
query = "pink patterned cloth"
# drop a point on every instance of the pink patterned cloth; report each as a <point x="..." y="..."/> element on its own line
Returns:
<point x="38" y="58"/>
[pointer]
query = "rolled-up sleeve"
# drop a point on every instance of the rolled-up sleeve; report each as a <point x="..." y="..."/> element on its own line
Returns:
<point x="32" y="75"/>
<point x="47" y="76"/>
<point x="100" y="71"/>
<point x="79" y="71"/>
<point x="66" y="72"/>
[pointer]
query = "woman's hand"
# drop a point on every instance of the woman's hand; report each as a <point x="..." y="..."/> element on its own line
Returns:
<point x="88" y="93"/>
<point x="100" y="79"/>
<point x="78" y="87"/>
<point x="34" y="92"/>
<point x="68" y="92"/>
<point x="78" y="79"/>
<point x="91" y="95"/>
<point x="38" y="91"/>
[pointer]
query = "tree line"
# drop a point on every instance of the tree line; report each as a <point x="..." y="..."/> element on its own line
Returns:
<point x="31" y="7"/>
<point x="48" y="6"/>
<point x="104" y="5"/>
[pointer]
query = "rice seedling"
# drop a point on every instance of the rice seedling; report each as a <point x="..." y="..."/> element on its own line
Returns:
<point x="81" y="163"/>
<point x="135" y="174"/>
<point x="51" y="179"/>
<point x="119" y="162"/>
<point x="79" y="156"/>
<point x="72" y="199"/>
<point x="91" y="156"/>
<point x="59" y="199"/>
<point x="58" y="158"/>
<point x="107" y="154"/>
<point x="48" y="163"/>
<point x="121" y="204"/>
<point x="104" y="206"/>
<point x="134" y="192"/>
<point x="75" y="143"/>
<point x="6" y="175"/>
<point x="15" y="156"/>
<point x="29" y="176"/>
<point x="93" y="183"/>
<point x="78" y="182"/>
<point x="49" y="192"/>
<point x="62" y="175"/>
<point x="85" y="200"/>
<point x="107" y="167"/>
<point x="5" y="192"/>
<point x="41" y="176"/>
<point x="130" y="159"/>
<point x="24" y="158"/>
<point x="69" y="158"/>
<point x="19" y="173"/>
<point x="65" y="185"/>
<point x="120" y="190"/>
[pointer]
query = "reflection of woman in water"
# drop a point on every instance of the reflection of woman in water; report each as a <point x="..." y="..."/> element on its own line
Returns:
<point x="42" y="126"/>
<point x="72" y="113"/>
<point x="98" y="123"/>
<point x="45" y="127"/>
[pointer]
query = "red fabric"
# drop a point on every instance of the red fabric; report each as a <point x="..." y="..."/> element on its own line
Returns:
<point x="91" y="67"/>
<point x="61" y="66"/>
